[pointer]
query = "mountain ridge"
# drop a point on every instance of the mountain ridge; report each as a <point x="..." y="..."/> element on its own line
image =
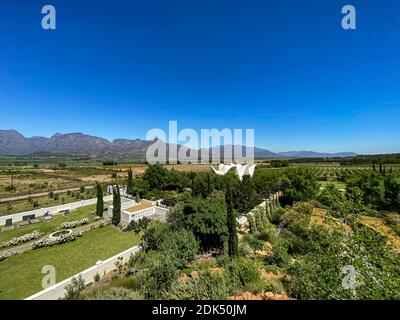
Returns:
<point x="13" y="143"/>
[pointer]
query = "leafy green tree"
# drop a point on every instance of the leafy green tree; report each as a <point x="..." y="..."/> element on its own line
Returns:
<point x="156" y="176"/>
<point x="330" y="196"/>
<point x="299" y="185"/>
<point x="392" y="192"/>
<point x="206" y="218"/>
<point x="100" y="202"/>
<point x="116" y="217"/>
<point x="247" y="197"/>
<point x="155" y="234"/>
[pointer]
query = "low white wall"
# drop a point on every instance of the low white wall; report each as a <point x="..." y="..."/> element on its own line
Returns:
<point x="17" y="217"/>
<point x="57" y="291"/>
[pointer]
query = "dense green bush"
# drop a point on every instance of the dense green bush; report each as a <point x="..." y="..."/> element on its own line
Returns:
<point x="322" y="274"/>
<point x="253" y="242"/>
<point x="244" y="274"/>
<point x="116" y="294"/>
<point x="279" y="255"/>
<point x="181" y="246"/>
<point x="159" y="278"/>
<point x="208" y="286"/>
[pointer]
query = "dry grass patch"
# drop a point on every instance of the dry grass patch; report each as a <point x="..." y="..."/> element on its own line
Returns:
<point x="379" y="225"/>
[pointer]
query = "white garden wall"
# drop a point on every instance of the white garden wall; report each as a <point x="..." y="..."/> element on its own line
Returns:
<point x="17" y="217"/>
<point x="57" y="291"/>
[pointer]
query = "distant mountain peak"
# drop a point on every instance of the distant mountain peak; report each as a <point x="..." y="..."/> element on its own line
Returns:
<point x="77" y="143"/>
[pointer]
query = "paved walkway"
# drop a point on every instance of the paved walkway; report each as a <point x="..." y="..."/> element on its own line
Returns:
<point x="28" y="246"/>
<point x="41" y="194"/>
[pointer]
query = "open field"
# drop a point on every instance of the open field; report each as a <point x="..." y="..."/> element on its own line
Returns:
<point x="21" y="275"/>
<point x="33" y="176"/>
<point x="45" y="201"/>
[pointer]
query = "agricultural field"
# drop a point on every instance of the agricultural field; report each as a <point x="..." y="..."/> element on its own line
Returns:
<point x="49" y="200"/>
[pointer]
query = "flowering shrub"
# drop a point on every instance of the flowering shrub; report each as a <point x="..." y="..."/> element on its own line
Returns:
<point x="61" y="239"/>
<point x="68" y="225"/>
<point x="8" y="254"/>
<point x="73" y="224"/>
<point x="25" y="238"/>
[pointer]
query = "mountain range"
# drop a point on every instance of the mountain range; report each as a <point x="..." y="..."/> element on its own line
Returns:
<point x="14" y="143"/>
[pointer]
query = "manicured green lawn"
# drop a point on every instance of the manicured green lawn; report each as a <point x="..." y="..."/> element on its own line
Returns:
<point x="48" y="227"/>
<point x="20" y="275"/>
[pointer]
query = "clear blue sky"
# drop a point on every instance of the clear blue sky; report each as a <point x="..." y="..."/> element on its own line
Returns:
<point x="285" y="68"/>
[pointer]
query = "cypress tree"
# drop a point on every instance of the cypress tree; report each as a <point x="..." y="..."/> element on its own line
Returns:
<point x="252" y="223"/>
<point x="192" y="175"/>
<point x="259" y="222"/>
<point x="380" y="168"/>
<point x="208" y="184"/>
<point x="267" y="210"/>
<point x="271" y="207"/>
<point x="116" y="218"/>
<point x="264" y="219"/>
<point x="129" y="185"/>
<point x="276" y="201"/>
<point x="233" y="250"/>
<point x="100" y="203"/>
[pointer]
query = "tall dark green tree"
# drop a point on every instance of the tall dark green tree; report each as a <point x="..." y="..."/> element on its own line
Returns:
<point x="100" y="202"/>
<point x="233" y="250"/>
<point x="129" y="184"/>
<point x="208" y="184"/>
<point x="116" y="217"/>
<point x="192" y="176"/>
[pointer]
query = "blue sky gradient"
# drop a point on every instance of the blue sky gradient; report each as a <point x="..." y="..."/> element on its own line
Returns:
<point x="118" y="68"/>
